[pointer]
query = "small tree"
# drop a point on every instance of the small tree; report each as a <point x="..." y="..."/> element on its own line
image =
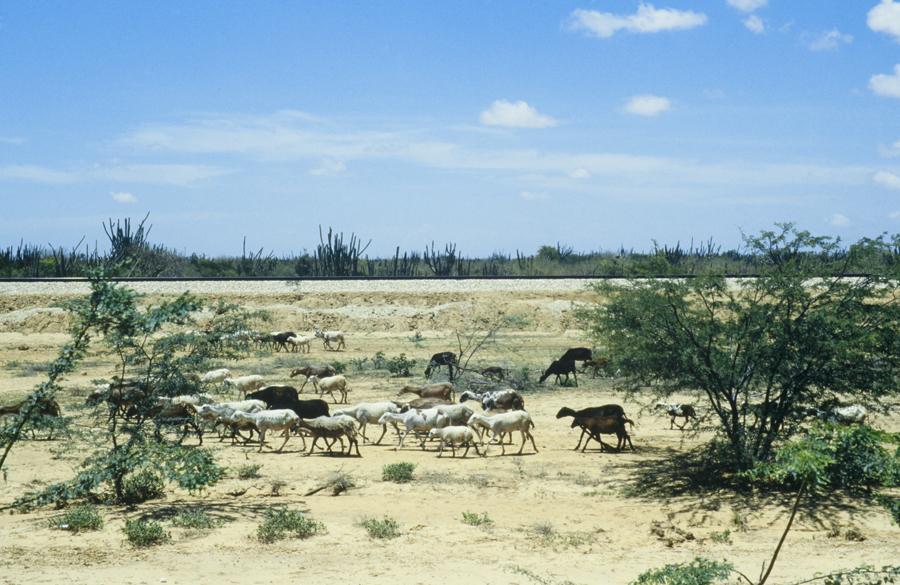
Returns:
<point x="762" y="350"/>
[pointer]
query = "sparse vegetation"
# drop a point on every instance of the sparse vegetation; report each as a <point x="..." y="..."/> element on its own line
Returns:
<point x="721" y="537"/>
<point x="476" y="519"/>
<point x="195" y="520"/>
<point x="398" y="472"/>
<point x="282" y="523"/>
<point x="143" y="533"/>
<point x="249" y="471"/>
<point x="79" y="519"/>
<point x="142" y="486"/>
<point x="700" y="571"/>
<point x="381" y="528"/>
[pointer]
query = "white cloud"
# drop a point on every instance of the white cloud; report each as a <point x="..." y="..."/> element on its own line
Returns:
<point x="532" y="196"/>
<point x="515" y="115"/>
<point x="329" y="167"/>
<point x="580" y="174"/>
<point x="891" y="151"/>
<point x="123" y="197"/>
<point x="647" y="19"/>
<point x="161" y="174"/>
<point x="839" y="220"/>
<point x="647" y="105"/>
<point x="755" y="24"/>
<point x="829" y="40"/>
<point x="885" y="18"/>
<point x="886" y="179"/>
<point x="747" y="5"/>
<point x="886" y="85"/>
<point x="894" y="215"/>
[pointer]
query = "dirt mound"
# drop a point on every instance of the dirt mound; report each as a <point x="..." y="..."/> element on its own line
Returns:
<point x="35" y="320"/>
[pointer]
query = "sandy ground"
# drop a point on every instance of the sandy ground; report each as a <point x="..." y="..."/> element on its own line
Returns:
<point x="558" y="516"/>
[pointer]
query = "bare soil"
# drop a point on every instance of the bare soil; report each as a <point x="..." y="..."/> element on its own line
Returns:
<point x="558" y="516"/>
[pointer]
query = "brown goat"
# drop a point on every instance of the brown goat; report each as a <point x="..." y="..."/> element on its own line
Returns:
<point x="595" y="426"/>
<point x="444" y="391"/>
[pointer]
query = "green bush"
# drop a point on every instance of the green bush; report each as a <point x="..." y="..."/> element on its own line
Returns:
<point x="384" y="528"/>
<point x="250" y="471"/>
<point x="142" y="533"/>
<point x="892" y="505"/>
<point x="142" y="486"/>
<point x="700" y="571"/>
<point x="400" y="366"/>
<point x="195" y="520"/>
<point x="398" y="472"/>
<point x="476" y="519"/>
<point x="282" y="523"/>
<point x="79" y="519"/>
<point x="339" y="367"/>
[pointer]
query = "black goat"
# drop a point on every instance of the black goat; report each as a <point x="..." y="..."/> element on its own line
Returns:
<point x="444" y="358"/>
<point x="560" y="368"/>
<point x="586" y="414"/>
<point x="578" y="354"/>
<point x="279" y="397"/>
<point x="595" y="426"/>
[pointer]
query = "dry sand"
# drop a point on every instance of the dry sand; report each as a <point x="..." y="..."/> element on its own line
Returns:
<point x="599" y="531"/>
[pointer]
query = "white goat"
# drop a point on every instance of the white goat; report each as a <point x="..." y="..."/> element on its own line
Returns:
<point x="300" y="343"/>
<point x="369" y="412"/>
<point x="271" y="420"/>
<point x="416" y="421"/>
<point x="246" y="384"/>
<point x="328" y="337"/>
<point x="453" y="436"/>
<point x="215" y="376"/>
<point x="457" y="414"/>
<point x="331" y="384"/>
<point x="508" y="422"/>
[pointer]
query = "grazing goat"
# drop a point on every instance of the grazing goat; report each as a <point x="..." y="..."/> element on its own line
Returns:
<point x="307" y="371"/>
<point x="215" y="376"/>
<point x="584" y="414"/>
<point x="559" y="368"/>
<point x="495" y="373"/>
<point x="686" y="411"/>
<point x="577" y="354"/>
<point x="300" y="343"/>
<point x="507" y="399"/>
<point x="594" y="426"/>
<point x="443" y="391"/>
<point x="270" y="420"/>
<point x="167" y="413"/>
<point x="331" y="384"/>
<point x="507" y="422"/>
<point x="367" y="412"/>
<point x="245" y="384"/>
<point x="453" y="436"/>
<point x="328" y="337"/>
<point x="331" y="427"/>
<point x="444" y="358"/>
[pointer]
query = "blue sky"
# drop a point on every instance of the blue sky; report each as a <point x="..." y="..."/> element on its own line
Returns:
<point x="496" y="125"/>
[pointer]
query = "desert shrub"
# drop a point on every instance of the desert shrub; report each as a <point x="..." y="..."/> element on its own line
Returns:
<point x="249" y="471"/>
<point x="476" y="519"/>
<point x="398" y="472"/>
<point x="382" y="528"/>
<point x="835" y="456"/>
<point x="282" y="523"/>
<point x="79" y="519"/>
<point x="142" y="533"/>
<point x="379" y="361"/>
<point x="700" y="571"/>
<point x="723" y="537"/>
<point x="400" y="366"/>
<point x="195" y="520"/>
<point x="892" y="504"/>
<point x="339" y="367"/>
<point x="142" y="486"/>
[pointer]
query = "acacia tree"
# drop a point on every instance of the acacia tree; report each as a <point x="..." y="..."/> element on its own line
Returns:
<point x="155" y="353"/>
<point x="763" y="350"/>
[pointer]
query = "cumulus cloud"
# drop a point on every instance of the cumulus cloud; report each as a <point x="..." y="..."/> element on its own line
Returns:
<point x="886" y="85"/>
<point x="839" y="219"/>
<point x="123" y="197"/>
<point x="580" y="174"/>
<point x="647" y="105"/>
<point x="891" y="151"/>
<point x="829" y="40"/>
<point x="887" y="180"/>
<point x="885" y="18"/>
<point x="747" y="5"/>
<point x="647" y="19"/>
<point x="515" y="115"/>
<point x="329" y="167"/>
<point x="755" y="24"/>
